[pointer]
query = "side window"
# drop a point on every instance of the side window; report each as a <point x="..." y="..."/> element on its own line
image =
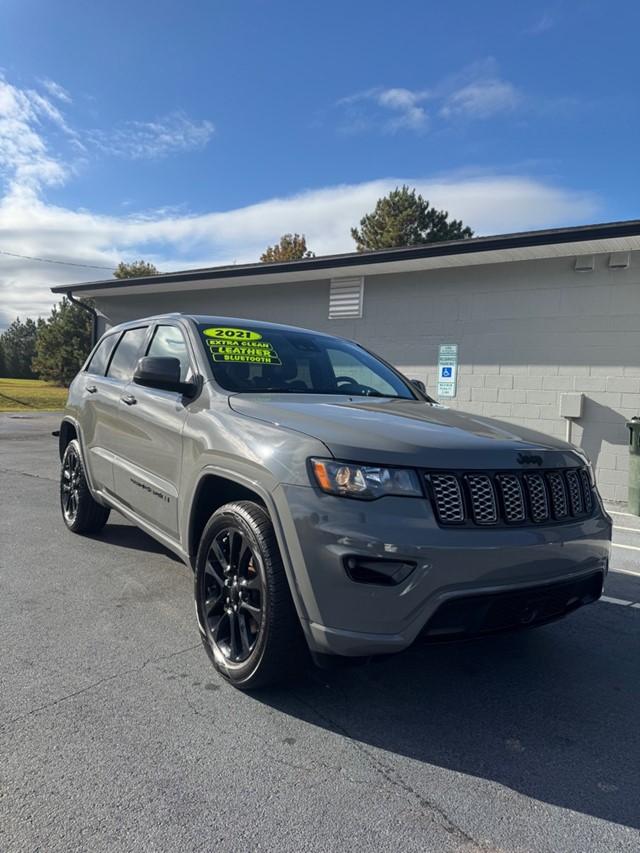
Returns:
<point x="100" y="357"/>
<point x="126" y="354"/>
<point x="169" y="341"/>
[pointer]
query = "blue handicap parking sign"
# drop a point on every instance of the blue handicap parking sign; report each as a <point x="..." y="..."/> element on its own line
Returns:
<point x="447" y="372"/>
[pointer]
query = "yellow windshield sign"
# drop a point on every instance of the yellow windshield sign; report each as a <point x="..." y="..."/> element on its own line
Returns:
<point x="229" y="334"/>
<point x="241" y="346"/>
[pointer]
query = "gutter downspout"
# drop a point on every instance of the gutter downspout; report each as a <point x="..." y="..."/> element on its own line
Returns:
<point x="92" y="311"/>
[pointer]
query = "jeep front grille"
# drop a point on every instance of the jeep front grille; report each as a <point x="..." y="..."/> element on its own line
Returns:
<point x="575" y="493"/>
<point x="586" y="491"/>
<point x="558" y="494"/>
<point x="446" y="488"/>
<point x="512" y="496"/>
<point x="485" y="498"/>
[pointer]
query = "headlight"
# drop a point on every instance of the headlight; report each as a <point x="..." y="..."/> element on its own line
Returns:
<point x="365" y="481"/>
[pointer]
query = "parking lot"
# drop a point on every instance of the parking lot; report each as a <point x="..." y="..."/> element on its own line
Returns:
<point x="117" y="735"/>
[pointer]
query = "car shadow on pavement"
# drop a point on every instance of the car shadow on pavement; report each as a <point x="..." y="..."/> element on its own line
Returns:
<point x="553" y="714"/>
<point x="124" y="535"/>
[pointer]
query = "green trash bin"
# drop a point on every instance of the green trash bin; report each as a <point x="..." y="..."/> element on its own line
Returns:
<point x="634" y="465"/>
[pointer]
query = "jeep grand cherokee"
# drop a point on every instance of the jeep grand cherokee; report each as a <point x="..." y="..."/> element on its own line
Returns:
<point x="324" y="502"/>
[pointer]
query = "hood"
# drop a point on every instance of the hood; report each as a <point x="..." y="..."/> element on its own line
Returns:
<point x="407" y="432"/>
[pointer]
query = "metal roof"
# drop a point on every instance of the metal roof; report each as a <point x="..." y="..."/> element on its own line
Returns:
<point x="522" y="246"/>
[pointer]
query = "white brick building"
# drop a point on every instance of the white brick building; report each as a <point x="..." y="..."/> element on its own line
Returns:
<point x="535" y="316"/>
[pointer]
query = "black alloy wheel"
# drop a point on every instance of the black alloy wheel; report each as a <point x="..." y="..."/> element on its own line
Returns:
<point x="247" y="619"/>
<point x="233" y="594"/>
<point x="81" y="513"/>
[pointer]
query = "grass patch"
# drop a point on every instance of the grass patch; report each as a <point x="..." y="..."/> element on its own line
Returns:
<point x="30" y="395"/>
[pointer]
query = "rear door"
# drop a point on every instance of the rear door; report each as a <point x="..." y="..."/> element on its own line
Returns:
<point x="98" y="396"/>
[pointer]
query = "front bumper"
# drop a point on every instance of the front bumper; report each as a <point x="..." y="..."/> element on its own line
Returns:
<point x="466" y="617"/>
<point x="345" y="617"/>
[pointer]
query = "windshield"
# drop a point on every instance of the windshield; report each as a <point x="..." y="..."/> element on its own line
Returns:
<point x="252" y="358"/>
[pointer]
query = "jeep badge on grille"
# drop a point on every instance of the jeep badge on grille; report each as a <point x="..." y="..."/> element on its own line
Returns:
<point x="529" y="459"/>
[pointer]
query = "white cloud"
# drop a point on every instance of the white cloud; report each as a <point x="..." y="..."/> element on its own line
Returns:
<point x="476" y="92"/>
<point x="26" y="162"/>
<point x="29" y="121"/>
<point x="482" y="99"/>
<point x="406" y="104"/>
<point x="40" y="149"/>
<point x="488" y="204"/>
<point x="57" y="91"/>
<point x="153" y="140"/>
<point x="546" y="22"/>
<point x="389" y="109"/>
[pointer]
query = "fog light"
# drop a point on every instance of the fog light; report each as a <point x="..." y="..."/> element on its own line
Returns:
<point x="377" y="571"/>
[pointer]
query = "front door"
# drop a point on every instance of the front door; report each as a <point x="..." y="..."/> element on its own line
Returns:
<point x="148" y="462"/>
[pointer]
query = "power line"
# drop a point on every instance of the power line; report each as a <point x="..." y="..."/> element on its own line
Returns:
<point x="61" y="263"/>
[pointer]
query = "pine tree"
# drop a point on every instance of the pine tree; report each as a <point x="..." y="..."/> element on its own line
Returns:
<point x="63" y="343"/>
<point x="18" y="347"/>
<point x="136" y="269"/>
<point x="404" y="218"/>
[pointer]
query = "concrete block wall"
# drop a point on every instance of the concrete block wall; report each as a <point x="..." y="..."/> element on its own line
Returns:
<point x="298" y="304"/>
<point x="527" y="332"/>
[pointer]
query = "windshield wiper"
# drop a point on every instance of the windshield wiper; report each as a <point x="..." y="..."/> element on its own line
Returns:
<point x="317" y="391"/>
<point x="282" y="391"/>
<point x="334" y="392"/>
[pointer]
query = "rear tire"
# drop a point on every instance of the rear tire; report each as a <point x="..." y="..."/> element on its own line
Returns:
<point x="80" y="512"/>
<point x="248" y="622"/>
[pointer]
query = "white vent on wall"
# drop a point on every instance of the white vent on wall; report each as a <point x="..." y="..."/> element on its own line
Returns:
<point x="619" y="261"/>
<point x="345" y="297"/>
<point x="584" y="263"/>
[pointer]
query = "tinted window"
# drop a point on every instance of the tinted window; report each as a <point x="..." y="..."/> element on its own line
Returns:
<point x="126" y="354"/>
<point x="100" y="357"/>
<point x="169" y="341"/>
<point x="349" y="369"/>
<point x="252" y="358"/>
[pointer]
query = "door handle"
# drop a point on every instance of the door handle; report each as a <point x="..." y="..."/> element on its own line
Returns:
<point x="91" y="389"/>
<point x="129" y="399"/>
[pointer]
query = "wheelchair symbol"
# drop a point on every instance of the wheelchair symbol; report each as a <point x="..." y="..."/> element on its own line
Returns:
<point x="447" y="372"/>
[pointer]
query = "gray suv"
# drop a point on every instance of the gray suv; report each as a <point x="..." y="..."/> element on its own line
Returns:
<point x="325" y="503"/>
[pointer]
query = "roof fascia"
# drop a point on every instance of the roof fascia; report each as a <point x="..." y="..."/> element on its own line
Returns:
<point x="466" y="252"/>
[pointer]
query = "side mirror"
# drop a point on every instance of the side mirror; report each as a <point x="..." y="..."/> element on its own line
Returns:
<point x="419" y="384"/>
<point x="162" y="373"/>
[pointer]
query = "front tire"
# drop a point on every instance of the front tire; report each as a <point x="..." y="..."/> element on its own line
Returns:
<point x="247" y="619"/>
<point x="80" y="512"/>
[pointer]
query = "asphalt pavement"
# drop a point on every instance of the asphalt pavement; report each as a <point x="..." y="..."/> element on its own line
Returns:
<point x="117" y="735"/>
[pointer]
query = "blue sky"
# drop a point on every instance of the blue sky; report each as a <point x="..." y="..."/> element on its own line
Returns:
<point x="197" y="133"/>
